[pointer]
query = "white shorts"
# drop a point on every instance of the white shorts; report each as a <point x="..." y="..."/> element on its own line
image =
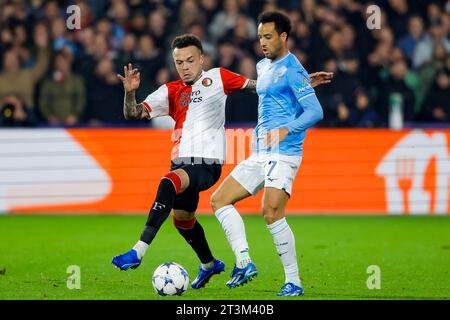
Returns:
<point x="267" y="171"/>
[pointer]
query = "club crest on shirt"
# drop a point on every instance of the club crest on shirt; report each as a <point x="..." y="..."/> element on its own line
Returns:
<point x="278" y="74"/>
<point x="207" y="82"/>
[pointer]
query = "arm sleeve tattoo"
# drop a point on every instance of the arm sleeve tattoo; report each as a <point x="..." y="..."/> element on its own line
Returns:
<point x="133" y="110"/>
<point x="251" y="86"/>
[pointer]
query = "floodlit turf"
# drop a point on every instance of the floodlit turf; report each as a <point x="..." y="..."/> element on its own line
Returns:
<point x="413" y="254"/>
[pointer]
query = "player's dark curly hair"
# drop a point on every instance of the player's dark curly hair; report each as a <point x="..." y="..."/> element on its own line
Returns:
<point x="187" y="40"/>
<point x="281" y="20"/>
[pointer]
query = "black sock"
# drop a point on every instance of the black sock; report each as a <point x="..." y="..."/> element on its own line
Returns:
<point x="195" y="236"/>
<point x="160" y="211"/>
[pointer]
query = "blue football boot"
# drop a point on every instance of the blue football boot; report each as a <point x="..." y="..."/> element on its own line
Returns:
<point x="289" y="290"/>
<point x="204" y="275"/>
<point x="240" y="276"/>
<point x="127" y="260"/>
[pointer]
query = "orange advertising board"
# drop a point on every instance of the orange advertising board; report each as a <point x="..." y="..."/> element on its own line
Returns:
<point x="118" y="171"/>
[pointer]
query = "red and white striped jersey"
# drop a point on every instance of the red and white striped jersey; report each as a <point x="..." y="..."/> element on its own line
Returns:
<point x="198" y="111"/>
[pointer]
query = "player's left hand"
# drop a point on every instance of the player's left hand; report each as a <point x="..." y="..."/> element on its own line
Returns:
<point x="274" y="137"/>
<point x="321" y="77"/>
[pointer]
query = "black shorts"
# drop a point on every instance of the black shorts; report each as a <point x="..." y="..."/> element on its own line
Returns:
<point x="203" y="174"/>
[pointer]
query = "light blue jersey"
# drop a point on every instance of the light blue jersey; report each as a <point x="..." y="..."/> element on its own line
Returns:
<point x="286" y="99"/>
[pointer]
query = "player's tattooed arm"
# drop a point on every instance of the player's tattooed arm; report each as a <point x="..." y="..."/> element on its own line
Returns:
<point x="251" y="86"/>
<point x="133" y="110"/>
<point x="131" y="80"/>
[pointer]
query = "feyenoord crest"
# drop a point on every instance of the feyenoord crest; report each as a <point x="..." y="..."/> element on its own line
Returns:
<point x="207" y="82"/>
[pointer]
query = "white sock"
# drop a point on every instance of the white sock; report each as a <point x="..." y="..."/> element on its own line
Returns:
<point x="285" y="243"/>
<point x="140" y="247"/>
<point x="208" y="266"/>
<point x="233" y="225"/>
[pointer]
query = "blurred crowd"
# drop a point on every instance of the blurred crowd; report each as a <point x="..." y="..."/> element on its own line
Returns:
<point x="52" y="75"/>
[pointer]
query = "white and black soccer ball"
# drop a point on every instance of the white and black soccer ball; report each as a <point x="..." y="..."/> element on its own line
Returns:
<point x="170" y="279"/>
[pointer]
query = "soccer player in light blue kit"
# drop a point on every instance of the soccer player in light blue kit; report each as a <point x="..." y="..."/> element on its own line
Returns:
<point x="287" y="107"/>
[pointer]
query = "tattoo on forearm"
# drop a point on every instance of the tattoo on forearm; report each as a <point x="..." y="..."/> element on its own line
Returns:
<point x="251" y="86"/>
<point x="131" y="109"/>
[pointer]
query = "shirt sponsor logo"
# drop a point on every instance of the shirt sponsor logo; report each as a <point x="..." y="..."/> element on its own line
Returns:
<point x="305" y="85"/>
<point x="187" y="98"/>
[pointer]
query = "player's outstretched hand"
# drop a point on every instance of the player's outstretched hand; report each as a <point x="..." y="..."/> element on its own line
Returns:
<point x="131" y="78"/>
<point x="321" y="77"/>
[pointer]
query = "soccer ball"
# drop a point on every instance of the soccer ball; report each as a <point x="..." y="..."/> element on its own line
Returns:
<point x="170" y="279"/>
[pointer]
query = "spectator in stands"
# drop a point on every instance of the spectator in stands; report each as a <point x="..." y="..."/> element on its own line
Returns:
<point x="157" y="27"/>
<point x="118" y="17"/>
<point x="59" y="36"/>
<point x="105" y="97"/>
<point x="51" y="11"/>
<point x="429" y="70"/>
<point x="396" y="84"/>
<point x="112" y="32"/>
<point x="148" y="58"/>
<point x="19" y="44"/>
<point x="210" y="8"/>
<point x="424" y="50"/>
<point x="339" y="113"/>
<point x="62" y="97"/>
<point x="138" y="23"/>
<point x="308" y="10"/>
<point x="20" y="81"/>
<point x="415" y="34"/>
<point x="241" y="35"/>
<point x="437" y="103"/>
<point x="225" y="21"/>
<point x="398" y="13"/>
<point x="303" y="39"/>
<point x="199" y="30"/>
<point x="363" y="115"/>
<point x="188" y="13"/>
<point x="227" y="56"/>
<point x="126" y="54"/>
<point x="13" y="113"/>
<point x="347" y="77"/>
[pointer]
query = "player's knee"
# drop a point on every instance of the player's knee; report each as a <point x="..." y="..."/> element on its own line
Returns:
<point x="271" y="213"/>
<point x="182" y="215"/>
<point x="171" y="179"/>
<point x="217" y="201"/>
<point x="184" y="221"/>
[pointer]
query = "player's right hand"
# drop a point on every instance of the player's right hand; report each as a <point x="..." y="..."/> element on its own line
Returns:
<point x="131" y="78"/>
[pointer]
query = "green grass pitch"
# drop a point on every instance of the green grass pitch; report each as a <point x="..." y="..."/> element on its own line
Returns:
<point x="413" y="254"/>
